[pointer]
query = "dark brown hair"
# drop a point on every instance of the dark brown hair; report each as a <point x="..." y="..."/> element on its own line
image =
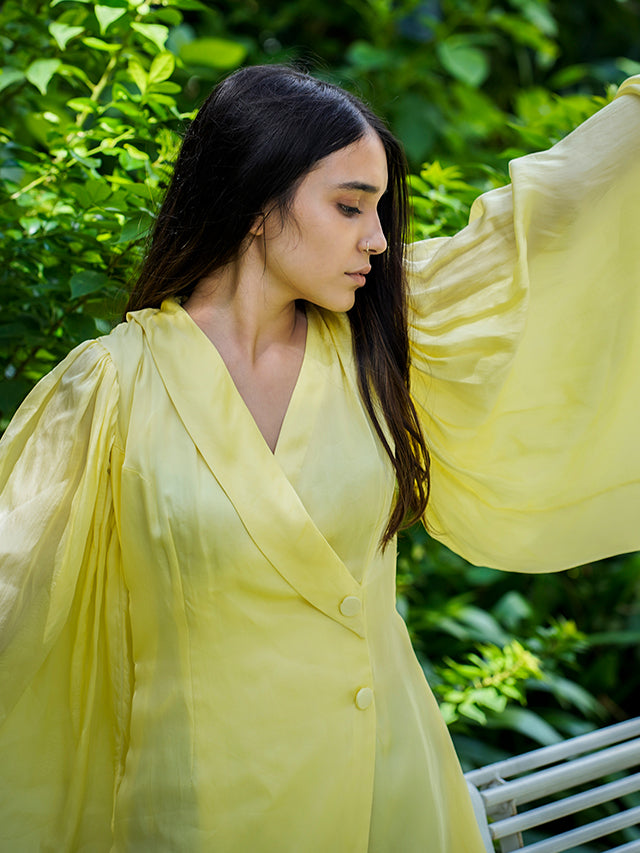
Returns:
<point x="252" y="142"/>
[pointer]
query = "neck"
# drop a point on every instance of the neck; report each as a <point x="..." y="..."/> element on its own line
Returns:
<point x="237" y="308"/>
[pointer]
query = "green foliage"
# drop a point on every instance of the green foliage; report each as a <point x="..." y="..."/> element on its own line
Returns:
<point x="463" y="616"/>
<point x="441" y="198"/>
<point x="91" y="117"/>
<point x="488" y="680"/>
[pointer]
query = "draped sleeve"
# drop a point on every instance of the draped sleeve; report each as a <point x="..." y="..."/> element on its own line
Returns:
<point x="64" y="646"/>
<point x="525" y="337"/>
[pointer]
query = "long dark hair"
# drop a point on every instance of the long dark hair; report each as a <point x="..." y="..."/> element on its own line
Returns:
<point x="252" y="142"/>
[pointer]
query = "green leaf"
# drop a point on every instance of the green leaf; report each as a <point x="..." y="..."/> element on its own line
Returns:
<point x="466" y="709"/>
<point x="139" y="76"/>
<point x="538" y="15"/>
<point x="79" y="105"/>
<point x="449" y="712"/>
<point x="622" y="638"/>
<point x="136" y="153"/>
<point x="213" y="53"/>
<point x="163" y="15"/>
<point x="40" y="73"/>
<point x="628" y="66"/>
<point x="89" y="193"/>
<point x="527" y="723"/>
<point x="134" y="229"/>
<point x="63" y="33"/>
<point x="100" y="44"/>
<point x="80" y="327"/>
<point x="166" y="87"/>
<point x="570" y="692"/>
<point x="512" y="609"/>
<point x="162" y="67"/>
<point x="492" y="699"/>
<point x="156" y="33"/>
<point x="73" y="71"/>
<point x="106" y="15"/>
<point x="196" y="5"/>
<point x="463" y="61"/>
<point x="87" y="281"/>
<point x="9" y="76"/>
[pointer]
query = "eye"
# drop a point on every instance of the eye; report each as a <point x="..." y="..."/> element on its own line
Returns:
<point x="349" y="211"/>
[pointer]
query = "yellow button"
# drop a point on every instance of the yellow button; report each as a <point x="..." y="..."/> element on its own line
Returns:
<point x="364" y="697"/>
<point x="350" y="606"/>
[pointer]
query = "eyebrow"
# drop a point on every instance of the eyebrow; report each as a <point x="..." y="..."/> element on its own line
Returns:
<point x="359" y="185"/>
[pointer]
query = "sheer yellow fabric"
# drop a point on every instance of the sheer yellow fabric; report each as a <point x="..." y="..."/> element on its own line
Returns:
<point x="199" y="643"/>
<point x="526" y="354"/>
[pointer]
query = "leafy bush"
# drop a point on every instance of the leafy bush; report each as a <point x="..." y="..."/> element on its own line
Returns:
<point x="90" y="119"/>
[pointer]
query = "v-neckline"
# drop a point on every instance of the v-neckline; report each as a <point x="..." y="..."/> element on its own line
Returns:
<point x="259" y="485"/>
<point x="306" y="355"/>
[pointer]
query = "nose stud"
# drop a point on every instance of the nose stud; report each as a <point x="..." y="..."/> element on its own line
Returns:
<point x="367" y="249"/>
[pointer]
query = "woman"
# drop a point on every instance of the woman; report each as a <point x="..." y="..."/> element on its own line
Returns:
<point x="202" y="650"/>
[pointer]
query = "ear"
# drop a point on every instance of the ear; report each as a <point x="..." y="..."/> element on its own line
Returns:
<point x="257" y="226"/>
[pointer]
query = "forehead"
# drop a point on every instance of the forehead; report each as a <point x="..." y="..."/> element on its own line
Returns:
<point x="364" y="162"/>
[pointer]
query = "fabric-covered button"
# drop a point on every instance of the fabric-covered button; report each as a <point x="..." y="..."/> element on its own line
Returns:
<point x="364" y="697"/>
<point x="350" y="606"/>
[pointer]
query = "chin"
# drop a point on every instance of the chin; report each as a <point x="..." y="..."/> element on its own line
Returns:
<point x="340" y="304"/>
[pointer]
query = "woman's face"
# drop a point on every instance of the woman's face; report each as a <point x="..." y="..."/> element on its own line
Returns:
<point x="320" y="253"/>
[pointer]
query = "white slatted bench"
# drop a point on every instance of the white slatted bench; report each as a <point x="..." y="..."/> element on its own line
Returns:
<point x="499" y="790"/>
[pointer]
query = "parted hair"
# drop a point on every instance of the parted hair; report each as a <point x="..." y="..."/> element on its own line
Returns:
<point x="257" y="135"/>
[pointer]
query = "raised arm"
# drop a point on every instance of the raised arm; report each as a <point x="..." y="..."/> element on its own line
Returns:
<point x="526" y="355"/>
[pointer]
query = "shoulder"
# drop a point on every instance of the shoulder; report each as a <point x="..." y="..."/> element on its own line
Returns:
<point x="125" y="343"/>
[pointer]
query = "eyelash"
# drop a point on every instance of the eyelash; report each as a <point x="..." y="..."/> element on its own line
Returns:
<point x="349" y="211"/>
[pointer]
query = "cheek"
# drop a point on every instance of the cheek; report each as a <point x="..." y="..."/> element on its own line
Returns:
<point x="326" y="236"/>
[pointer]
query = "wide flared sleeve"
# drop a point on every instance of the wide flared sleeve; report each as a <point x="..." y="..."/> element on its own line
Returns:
<point x="525" y="334"/>
<point x="64" y="647"/>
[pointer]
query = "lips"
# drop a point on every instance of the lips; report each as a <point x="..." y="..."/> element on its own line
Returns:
<point x="359" y="276"/>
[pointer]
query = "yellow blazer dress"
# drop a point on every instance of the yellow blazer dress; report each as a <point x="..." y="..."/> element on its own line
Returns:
<point x="200" y="649"/>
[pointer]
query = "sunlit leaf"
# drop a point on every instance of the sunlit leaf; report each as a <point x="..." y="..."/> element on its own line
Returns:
<point x="139" y="76"/>
<point x="156" y="33"/>
<point x="63" y="33"/>
<point x="41" y="71"/>
<point x="106" y="15"/>
<point x="168" y="88"/>
<point x="9" y="76"/>
<point x="194" y="5"/>
<point x="82" y="104"/>
<point x="467" y="709"/>
<point x="100" y="44"/>
<point x="162" y="67"/>
<point x="136" y="153"/>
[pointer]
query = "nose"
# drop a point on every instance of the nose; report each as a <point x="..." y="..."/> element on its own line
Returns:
<point x="375" y="243"/>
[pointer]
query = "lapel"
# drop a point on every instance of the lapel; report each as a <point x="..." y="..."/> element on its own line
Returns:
<point x="221" y="426"/>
